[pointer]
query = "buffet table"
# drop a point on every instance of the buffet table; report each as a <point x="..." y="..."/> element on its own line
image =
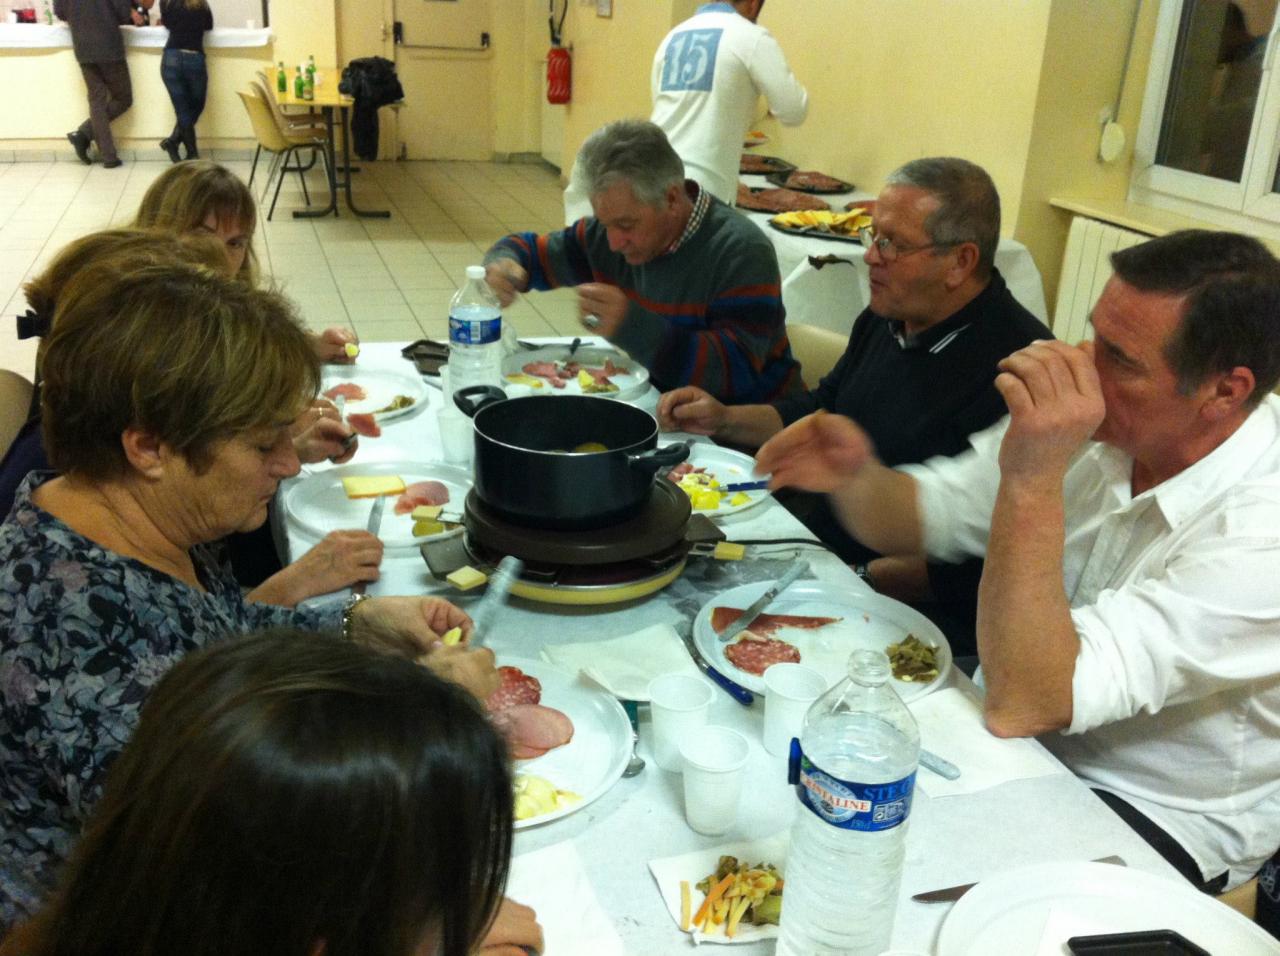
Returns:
<point x="952" y="839"/>
<point x="833" y="296"/>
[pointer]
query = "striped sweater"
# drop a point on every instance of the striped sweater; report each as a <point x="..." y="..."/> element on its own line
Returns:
<point x="708" y="314"/>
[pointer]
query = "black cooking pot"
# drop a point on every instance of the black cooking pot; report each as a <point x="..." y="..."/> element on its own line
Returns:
<point x="526" y="468"/>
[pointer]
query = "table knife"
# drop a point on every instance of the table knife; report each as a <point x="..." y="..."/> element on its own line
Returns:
<point x="942" y="767"/>
<point x="750" y="614"/>
<point x="949" y="893"/>
<point x="736" y="691"/>
<point x="499" y="586"/>
<point x="746" y="486"/>
<point x="372" y="526"/>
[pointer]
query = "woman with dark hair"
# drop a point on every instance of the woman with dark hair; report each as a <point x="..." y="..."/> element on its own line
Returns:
<point x="182" y="67"/>
<point x="293" y="795"/>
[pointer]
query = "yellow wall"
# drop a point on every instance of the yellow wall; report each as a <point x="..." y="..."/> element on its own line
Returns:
<point x="1083" y="61"/>
<point x="301" y="28"/>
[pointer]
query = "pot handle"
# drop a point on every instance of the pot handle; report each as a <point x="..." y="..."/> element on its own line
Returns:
<point x="475" y="397"/>
<point x="656" y="458"/>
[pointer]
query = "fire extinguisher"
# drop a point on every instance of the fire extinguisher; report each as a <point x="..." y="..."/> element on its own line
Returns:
<point x="559" y="64"/>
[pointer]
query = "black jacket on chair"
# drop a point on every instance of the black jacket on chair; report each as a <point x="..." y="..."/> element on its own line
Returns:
<point x="372" y="81"/>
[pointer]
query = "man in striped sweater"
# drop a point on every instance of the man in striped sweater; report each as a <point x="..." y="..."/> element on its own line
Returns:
<point x="664" y="270"/>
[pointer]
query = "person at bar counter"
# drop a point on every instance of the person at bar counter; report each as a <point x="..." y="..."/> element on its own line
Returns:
<point x="682" y="282"/>
<point x="1128" y="509"/>
<point x="368" y="812"/>
<point x="169" y="396"/>
<point x="99" y="48"/>
<point x="919" y="371"/>
<point x="708" y="74"/>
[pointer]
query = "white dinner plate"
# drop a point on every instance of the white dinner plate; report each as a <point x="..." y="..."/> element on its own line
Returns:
<point x="594" y="759"/>
<point x="319" y="504"/>
<point x="1013" y="912"/>
<point x="869" y="621"/>
<point x="728" y="467"/>
<point x="381" y="386"/>
<point x="631" y="385"/>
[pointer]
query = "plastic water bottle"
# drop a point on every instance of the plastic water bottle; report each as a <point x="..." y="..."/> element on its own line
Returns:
<point x="854" y="768"/>
<point x="475" y="334"/>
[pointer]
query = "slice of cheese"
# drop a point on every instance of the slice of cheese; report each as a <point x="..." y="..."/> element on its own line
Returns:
<point x="427" y="527"/>
<point x="466" y="578"/>
<point x="371" y="486"/>
<point x="426" y="512"/>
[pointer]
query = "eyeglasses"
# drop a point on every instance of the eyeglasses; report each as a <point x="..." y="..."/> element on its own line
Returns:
<point x="890" y="250"/>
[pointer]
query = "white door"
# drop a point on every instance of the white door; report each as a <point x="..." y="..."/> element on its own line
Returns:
<point x="445" y="66"/>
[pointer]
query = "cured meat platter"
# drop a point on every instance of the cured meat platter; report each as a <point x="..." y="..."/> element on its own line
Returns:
<point x="752" y="165"/>
<point x="864" y="620"/>
<point x="809" y="181"/>
<point x="777" y="200"/>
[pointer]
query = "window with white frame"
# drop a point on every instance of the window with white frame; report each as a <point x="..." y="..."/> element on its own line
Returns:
<point x="1209" y="138"/>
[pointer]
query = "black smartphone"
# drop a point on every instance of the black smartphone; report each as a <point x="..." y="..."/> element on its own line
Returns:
<point x="1151" y="942"/>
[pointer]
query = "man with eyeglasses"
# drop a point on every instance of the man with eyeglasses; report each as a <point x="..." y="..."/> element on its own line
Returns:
<point x="1128" y="507"/>
<point x="919" y="370"/>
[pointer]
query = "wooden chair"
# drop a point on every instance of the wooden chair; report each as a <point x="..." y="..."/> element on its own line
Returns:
<point x="1243" y="899"/>
<point x="816" y="349"/>
<point x="275" y="141"/>
<point x="15" y="400"/>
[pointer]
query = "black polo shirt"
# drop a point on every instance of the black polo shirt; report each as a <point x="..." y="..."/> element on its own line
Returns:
<point x="915" y="397"/>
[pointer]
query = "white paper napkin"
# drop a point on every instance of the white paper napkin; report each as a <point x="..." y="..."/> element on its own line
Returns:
<point x="625" y="665"/>
<point x="1061" y="925"/>
<point x="951" y="726"/>
<point x="669" y="871"/>
<point x="553" y="882"/>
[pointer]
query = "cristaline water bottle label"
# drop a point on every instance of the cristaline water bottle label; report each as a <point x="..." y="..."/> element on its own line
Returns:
<point x="475" y="331"/>
<point x="850" y="805"/>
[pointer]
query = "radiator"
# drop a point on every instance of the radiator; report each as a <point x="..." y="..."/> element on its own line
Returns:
<point x="1086" y="267"/>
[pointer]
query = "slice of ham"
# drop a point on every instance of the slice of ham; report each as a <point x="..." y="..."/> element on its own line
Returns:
<point x="552" y="372"/>
<point x="532" y="729"/>
<point x="364" y="424"/>
<point x="679" y="471"/>
<point x="757" y="656"/>
<point x="766" y="624"/>
<point x="422" y="493"/>
<point x="348" y="390"/>
<point x="517" y="687"/>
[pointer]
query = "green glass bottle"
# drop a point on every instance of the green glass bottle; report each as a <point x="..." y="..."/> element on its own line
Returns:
<point x="282" y="79"/>
<point x="300" y="84"/>
<point x="309" y="86"/>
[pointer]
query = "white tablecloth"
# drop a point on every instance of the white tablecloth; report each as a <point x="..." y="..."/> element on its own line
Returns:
<point x="951" y="839"/>
<point x="833" y="296"/>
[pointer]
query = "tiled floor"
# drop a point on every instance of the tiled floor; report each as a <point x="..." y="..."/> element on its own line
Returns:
<point x="387" y="279"/>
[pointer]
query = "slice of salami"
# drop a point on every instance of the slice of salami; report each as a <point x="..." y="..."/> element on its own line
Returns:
<point x="517" y="687"/>
<point x="766" y="624"/>
<point x="755" y="657"/>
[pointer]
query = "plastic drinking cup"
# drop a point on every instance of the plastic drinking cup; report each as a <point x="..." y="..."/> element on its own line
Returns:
<point x="790" y="689"/>
<point x="678" y="705"/>
<point x="457" y="436"/>
<point x="715" y="761"/>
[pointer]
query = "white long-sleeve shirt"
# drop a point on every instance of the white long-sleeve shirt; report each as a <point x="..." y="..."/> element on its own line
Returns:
<point x="707" y="75"/>
<point x="1175" y="596"/>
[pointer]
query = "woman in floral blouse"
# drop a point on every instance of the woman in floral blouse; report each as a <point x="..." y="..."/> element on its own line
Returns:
<point x="170" y="392"/>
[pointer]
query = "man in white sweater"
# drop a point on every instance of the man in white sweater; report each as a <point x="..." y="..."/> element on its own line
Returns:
<point x="708" y="74"/>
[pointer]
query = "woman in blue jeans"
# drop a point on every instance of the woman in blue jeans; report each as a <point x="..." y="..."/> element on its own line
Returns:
<point x="183" y="70"/>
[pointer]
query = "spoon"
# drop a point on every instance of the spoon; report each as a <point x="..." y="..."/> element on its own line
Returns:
<point x="636" y="763"/>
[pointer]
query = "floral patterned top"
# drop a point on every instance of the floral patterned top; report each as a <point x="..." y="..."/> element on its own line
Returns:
<point x="84" y="634"/>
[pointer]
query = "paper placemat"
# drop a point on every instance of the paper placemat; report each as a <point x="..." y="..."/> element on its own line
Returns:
<point x="951" y="726"/>
<point x="553" y="882"/>
<point x="625" y="665"/>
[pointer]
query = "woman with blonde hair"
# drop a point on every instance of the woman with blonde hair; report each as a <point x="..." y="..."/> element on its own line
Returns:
<point x="183" y="70"/>
<point x="202" y="196"/>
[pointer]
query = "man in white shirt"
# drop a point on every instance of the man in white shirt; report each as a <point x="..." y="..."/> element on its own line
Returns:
<point x="1129" y="512"/>
<point x="708" y="74"/>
